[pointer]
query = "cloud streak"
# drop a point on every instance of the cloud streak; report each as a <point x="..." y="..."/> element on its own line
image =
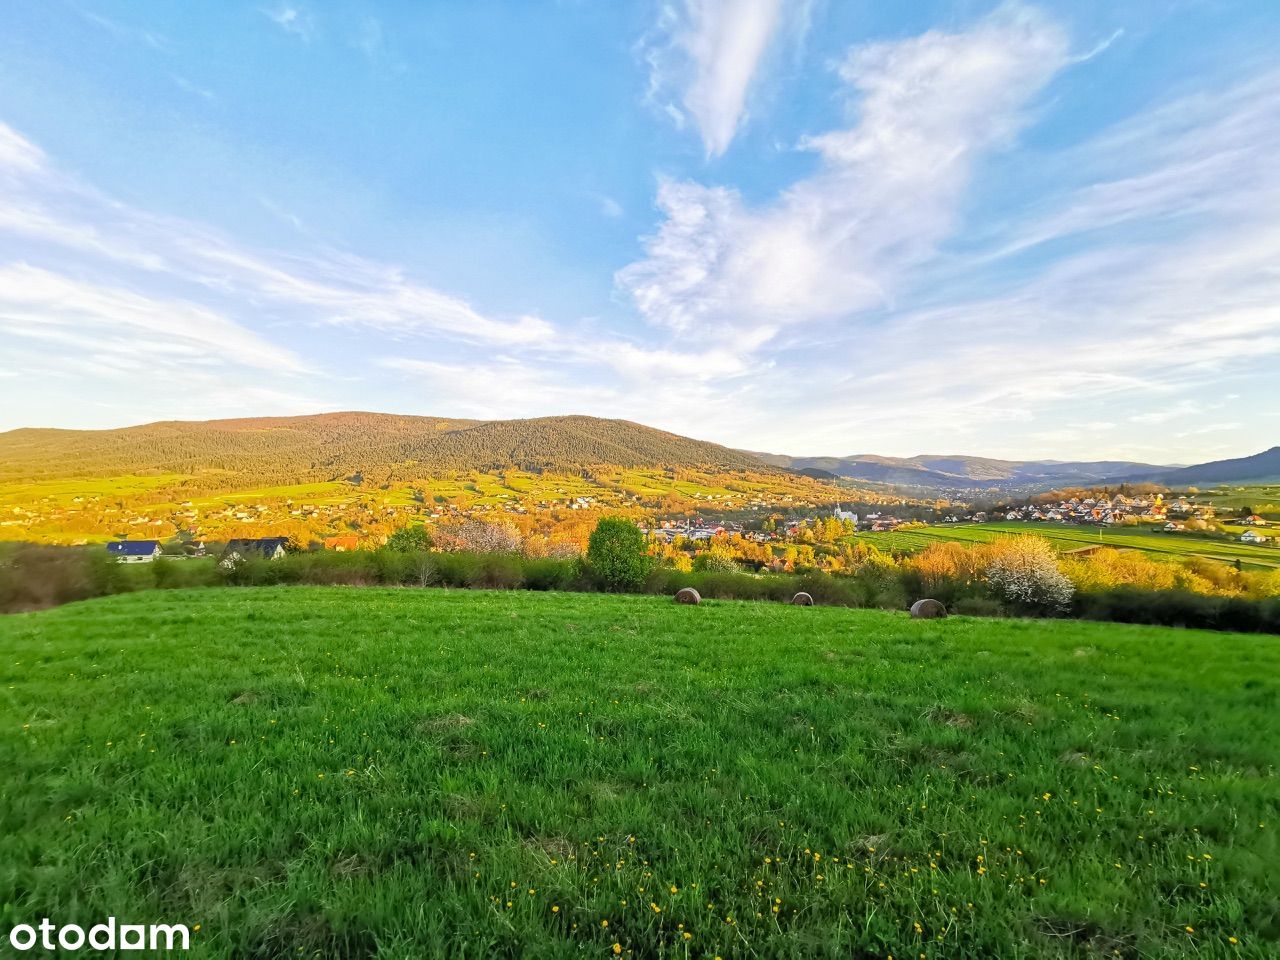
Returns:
<point x="886" y="196"/>
<point x="709" y="54"/>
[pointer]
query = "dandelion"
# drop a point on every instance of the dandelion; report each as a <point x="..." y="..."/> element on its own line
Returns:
<point x="1231" y="940"/>
<point x="555" y="908"/>
<point x="617" y="948"/>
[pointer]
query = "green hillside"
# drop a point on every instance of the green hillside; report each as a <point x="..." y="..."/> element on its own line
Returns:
<point x="332" y="446"/>
<point x="348" y="773"/>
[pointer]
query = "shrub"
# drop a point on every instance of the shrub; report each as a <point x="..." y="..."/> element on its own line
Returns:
<point x="411" y="539"/>
<point x="498" y="571"/>
<point x="1023" y="571"/>
<point x="616" y="554"/>
<point x="456" y="569"/>
<point x="715" y="561"/>
<point x="551" y="574"/>
<point x="1179" y="608"/>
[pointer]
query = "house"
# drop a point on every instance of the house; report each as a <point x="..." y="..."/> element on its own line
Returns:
<point x="134" y="551"/>
<point x="1254" y="520"/>
<point x="841" y="514"/>
<point x="342" y="544"/>
<point x="1252" y="536"/>
<point x="1171" y="526"/>
<point x="263" y="548"/>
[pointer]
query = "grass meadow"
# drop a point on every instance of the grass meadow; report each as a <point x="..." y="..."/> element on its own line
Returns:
<point x="1067" y="537"/>
<point x="344" y="773"/>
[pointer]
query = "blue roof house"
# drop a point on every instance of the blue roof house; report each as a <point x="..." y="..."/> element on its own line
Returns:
<point x="134" y="551"/>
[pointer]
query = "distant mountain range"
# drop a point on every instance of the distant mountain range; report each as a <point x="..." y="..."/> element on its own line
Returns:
<point x="1260" y="466"/>
<point x="389" y="447"/>
<point x="952" y="472"/>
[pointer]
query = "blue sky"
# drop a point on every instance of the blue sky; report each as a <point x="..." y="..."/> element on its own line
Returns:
<point x="1020" y="230"/>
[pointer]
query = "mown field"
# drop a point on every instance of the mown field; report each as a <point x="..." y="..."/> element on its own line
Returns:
<point x="339" y="773"/>
<point x="1073" y="537"/>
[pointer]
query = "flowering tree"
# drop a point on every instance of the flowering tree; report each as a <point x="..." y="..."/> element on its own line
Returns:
<point x="1024" y="572"/>
<point x="479" y="536"/>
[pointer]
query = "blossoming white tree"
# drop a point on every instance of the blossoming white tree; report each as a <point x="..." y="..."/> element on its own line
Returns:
<point x="1024" y="572"/>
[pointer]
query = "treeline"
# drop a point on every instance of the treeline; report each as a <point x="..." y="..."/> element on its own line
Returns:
<point x="379" y="448"/>
<point x="34" y="577"/>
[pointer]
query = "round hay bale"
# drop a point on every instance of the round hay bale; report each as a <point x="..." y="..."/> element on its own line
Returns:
<point x="688" y="595"/>
<point x="802" y="599"/>
<point x="927" y="609"/>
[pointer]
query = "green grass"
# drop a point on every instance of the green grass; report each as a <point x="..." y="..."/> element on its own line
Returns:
<point x="1071" y="537"/>
<point x="348" y="772"/>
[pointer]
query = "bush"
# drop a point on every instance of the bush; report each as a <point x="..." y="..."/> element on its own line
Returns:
<point x="1179" y="608"/>
<point x="456" y="569"/>
<point x="616" y="554"/>
<point x="1023" y="571"/>
<point x="497" y="571"/>
<point x="551" y="574"/>
<point x="412" y="539"/>
<point x="715" y="561"/>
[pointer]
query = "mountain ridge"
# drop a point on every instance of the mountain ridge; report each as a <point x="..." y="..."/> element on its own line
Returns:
<point x="958" y="471"/>
<point x="387" y="447"/>
<point x="390" y="446"/>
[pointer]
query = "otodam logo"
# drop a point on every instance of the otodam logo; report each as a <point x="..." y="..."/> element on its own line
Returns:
<point x="47" y="935"/>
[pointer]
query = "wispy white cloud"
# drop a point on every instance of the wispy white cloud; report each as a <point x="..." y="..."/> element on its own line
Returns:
<point x="708" y="54"/>
<point x="17" y="153"/>
<point x="887" y="194"/>
<point x="333" y="287"/>
<point x="38" y="303"/>
<point x="611" y="208"/>
<point x="292" y="19"/>
<point x="123" y="32"/>
<point x="184" y="84"/>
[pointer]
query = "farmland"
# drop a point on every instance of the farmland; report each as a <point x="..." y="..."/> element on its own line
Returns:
<point x="344" y="773"/>
<point x="1073" y="537"/>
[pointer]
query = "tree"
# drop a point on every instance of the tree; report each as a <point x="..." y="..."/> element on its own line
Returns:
<point x="616" y="554"/>
<point x="413" y="539"/>
<point x="480" y="537"/>
<point x="1024" y="572"/>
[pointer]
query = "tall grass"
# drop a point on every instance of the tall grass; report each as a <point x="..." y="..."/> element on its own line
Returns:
<point x="342" y="774"/>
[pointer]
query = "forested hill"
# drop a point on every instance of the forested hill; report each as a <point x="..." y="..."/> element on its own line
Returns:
<point x="373" y="445"/>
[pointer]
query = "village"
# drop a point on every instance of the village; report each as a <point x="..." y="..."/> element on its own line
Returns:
<point x="783" y="523"/>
